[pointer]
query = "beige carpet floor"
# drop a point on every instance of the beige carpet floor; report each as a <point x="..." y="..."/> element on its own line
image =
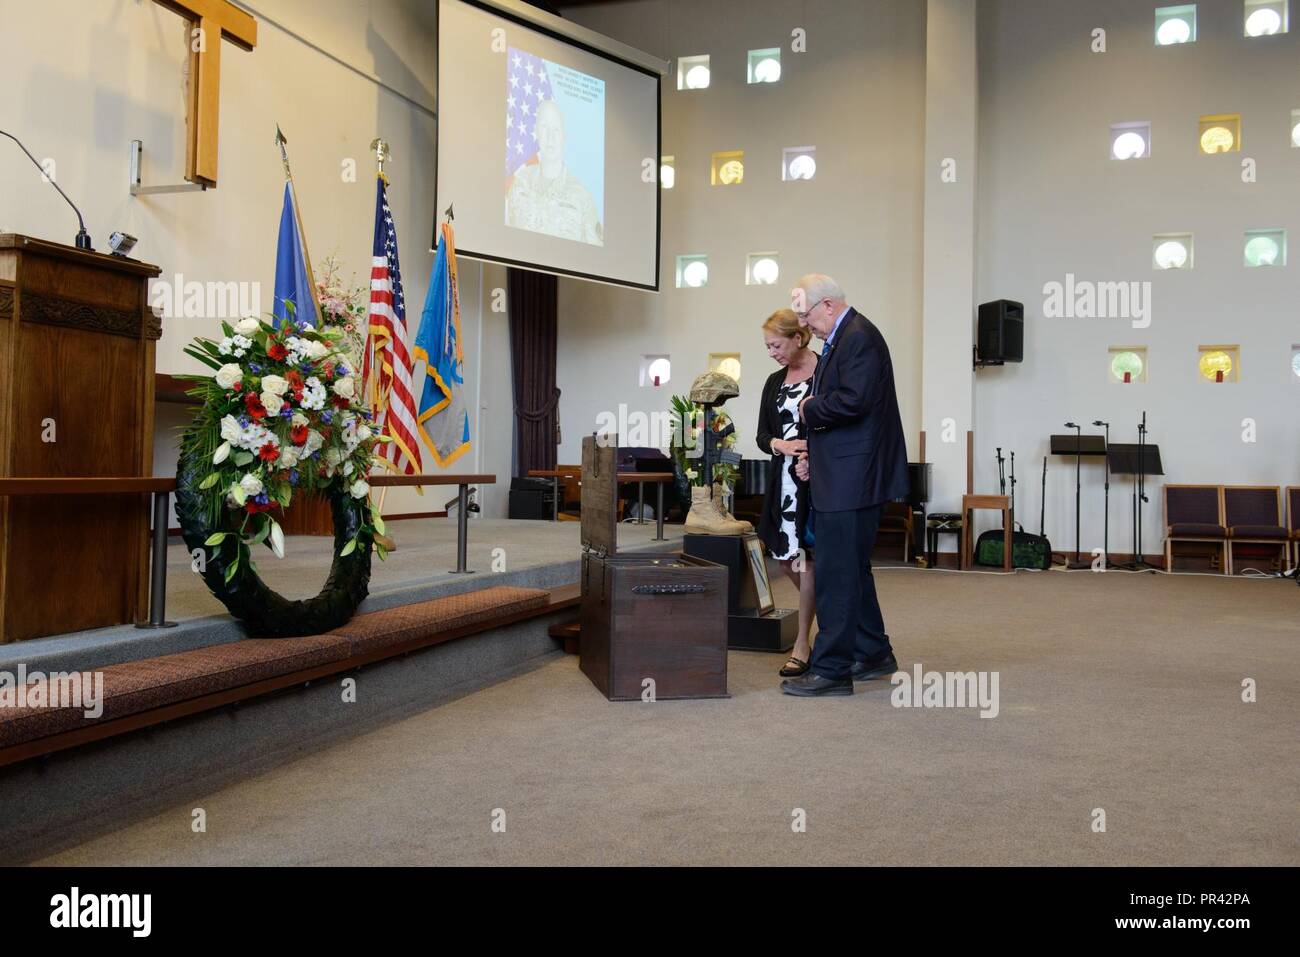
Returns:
<point x="1117" y="692"/>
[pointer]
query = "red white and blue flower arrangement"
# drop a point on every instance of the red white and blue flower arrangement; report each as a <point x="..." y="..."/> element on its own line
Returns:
<point x="280" y="416"/>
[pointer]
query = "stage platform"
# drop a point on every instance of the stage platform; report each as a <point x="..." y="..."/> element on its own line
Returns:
<point x="536" y="554"/>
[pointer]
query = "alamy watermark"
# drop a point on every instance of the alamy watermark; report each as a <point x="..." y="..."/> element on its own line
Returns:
<point x="58" y="689"/>
<point x="176" y="298"/>
<point x="946" y="689"/>
<point x="1085" y="299"/>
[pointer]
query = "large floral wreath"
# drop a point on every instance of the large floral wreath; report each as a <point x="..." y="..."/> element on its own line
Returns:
<point x="280" y="417"/>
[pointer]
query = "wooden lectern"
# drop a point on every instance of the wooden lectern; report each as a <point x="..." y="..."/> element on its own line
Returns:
<point x="77" y="342"/>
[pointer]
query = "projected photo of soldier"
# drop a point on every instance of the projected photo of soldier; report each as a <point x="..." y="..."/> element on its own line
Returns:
<point x="543" y="195"/>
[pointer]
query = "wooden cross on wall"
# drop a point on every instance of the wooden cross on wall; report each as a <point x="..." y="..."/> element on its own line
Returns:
<point x="213" y="21"/>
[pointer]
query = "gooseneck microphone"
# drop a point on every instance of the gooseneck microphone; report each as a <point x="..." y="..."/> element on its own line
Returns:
<point x="1071" y="425"/>
<point x="83" y="237"/>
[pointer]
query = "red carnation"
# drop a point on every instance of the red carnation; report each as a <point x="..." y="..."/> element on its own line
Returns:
<point x="299" y="434"/>
<point x="341" y="403"/>
<point x="268" y="452"/>
<point x="276" y="351"/>
<point x="253" y="402"/>
<point x="238" y="386"/>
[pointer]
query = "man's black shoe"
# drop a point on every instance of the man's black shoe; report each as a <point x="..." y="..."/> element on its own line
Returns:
<point x="810" y="685"/>
<point x="886" y="664"/>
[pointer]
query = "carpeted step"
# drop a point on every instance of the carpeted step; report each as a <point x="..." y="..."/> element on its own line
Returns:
<point x="424" y="620"/>
<point x="136" y="686"/>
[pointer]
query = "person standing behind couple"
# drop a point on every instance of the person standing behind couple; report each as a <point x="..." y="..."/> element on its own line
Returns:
<point x="856" y="461"/>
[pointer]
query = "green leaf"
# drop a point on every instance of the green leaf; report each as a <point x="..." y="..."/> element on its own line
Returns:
<point x="228" y="329"/>
<point x="284" y="494"/>
<point x="230" y="572"/>
<point x="210" y="481"/>
<point x="383" y="552"/>
<point x="216" y="538"/>
<point x="260" y="537"/>
<point x="243" y="458"/>
<point x="348" y="549"/>
<point x="203" y="357"/>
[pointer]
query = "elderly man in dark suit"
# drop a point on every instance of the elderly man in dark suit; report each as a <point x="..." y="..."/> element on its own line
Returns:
<point x="856" y="462"/>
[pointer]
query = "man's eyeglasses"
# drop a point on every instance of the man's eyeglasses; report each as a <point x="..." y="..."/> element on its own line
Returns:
<point x="802" y="316"/>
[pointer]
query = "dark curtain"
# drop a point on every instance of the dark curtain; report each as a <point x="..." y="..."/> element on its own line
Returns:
<point x="532" y="303"/>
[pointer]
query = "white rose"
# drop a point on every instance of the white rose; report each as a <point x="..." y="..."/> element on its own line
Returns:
<point x="317" y="350"/>
<point x="228" y="375"/>
<point x="314" y="441"/>
<point x="333" y="457"/>
<point x="363" y="433"/>
<point x="298" y="419"/>
<point x="272" y="402"/>
<point x="251" y="484"/>
<point x="288" y="456"/>
<point x="247" y="326"/>
<point x="274" y="384"/>
<point x="345" y="387"/>
<point x="360" y="489"/>
<point x="230" y="430"/>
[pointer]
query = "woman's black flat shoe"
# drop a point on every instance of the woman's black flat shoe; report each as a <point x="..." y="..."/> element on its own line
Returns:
<point x="799" y="667"/>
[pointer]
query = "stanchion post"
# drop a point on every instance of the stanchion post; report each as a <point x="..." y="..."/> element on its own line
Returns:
<point x="462" y="530"/>
<point x="158" y="565"/>
<point x="659" y="512"/>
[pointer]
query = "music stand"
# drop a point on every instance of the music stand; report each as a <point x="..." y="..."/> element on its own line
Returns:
<point x="1078" y="446"/>
<point x="1138" y="459"/>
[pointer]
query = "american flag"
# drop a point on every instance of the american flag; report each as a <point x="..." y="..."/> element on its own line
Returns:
<point x="527" y="85"/>
<point x="387" y="367"/>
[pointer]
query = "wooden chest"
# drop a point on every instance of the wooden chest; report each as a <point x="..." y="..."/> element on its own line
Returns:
<point x="651" y="624"/>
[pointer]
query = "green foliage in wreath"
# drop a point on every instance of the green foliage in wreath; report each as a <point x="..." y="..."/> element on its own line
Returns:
<point x="280" y="417"/>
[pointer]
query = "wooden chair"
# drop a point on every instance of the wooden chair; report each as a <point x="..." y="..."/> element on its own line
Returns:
<point x="897" y="520"/>
<point x="570" y="492"/>
<point x="999" y="503"/>
<point x="1194" y="513"/>
<point x="1253" y="515"/>
<point x="1293" y="519"/>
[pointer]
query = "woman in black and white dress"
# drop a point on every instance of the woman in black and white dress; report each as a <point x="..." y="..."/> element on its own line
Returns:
<point x="783" y="525"/>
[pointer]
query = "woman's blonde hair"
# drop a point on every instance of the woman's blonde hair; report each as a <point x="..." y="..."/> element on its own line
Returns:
<point x="784" y="322"/>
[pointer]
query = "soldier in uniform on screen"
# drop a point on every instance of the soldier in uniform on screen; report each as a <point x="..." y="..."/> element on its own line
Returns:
<point x="545" y="197"/>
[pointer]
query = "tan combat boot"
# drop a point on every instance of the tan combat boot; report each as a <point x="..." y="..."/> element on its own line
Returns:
<point x="706" y="516"/>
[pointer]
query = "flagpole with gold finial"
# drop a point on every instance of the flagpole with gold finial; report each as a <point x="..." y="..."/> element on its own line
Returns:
<point x="280" y="141"/>
<point x="382" y="153"/>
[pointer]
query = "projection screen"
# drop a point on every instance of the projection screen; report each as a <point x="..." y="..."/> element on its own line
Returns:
<point x="547" y="144"/>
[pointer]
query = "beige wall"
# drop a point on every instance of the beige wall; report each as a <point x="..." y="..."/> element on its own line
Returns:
<point x="86" y="78"/>
<point x="857" y="94"/>
<point x="1052" y="203"/>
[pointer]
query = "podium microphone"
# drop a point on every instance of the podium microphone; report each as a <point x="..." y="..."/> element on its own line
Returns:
<point x="83" y="237"/>
<point x="1071" y="425"/>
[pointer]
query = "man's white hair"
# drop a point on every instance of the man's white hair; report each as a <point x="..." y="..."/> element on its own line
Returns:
<point x="817" y="287"/>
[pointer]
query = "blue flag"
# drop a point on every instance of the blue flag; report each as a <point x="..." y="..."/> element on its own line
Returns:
<point x="443" y="417"/>
<point x="293" y="281"/>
